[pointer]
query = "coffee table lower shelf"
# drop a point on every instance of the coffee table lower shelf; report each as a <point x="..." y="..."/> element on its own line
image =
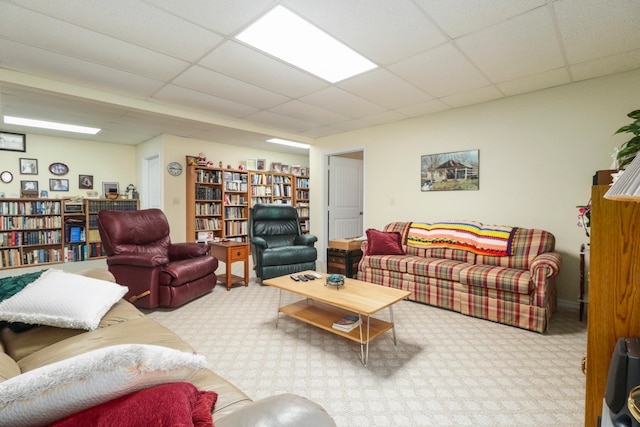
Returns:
<point x="323" y="315"/>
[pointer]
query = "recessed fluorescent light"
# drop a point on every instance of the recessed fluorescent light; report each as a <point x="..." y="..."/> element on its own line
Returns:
<point x="289" y="143"/>
<point x="285" y="35"/>
<point x="49" y="125"/>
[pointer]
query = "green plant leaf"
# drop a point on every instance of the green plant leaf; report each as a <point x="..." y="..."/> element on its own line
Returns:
<point x="634" y="114"/>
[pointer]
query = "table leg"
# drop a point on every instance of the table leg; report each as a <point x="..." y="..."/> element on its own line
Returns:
<point x="279" y="305"/>
<point x="393" y="328"/>
<point x="364" y="346"/>
<point x="228" y="274"/>
<point x="246" y="272"/>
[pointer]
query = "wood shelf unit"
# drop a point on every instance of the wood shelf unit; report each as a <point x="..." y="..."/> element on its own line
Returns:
<point x="614" y="290"/>
<point x="217" y="204"/>
<point x="323" y="315"/>
<point x="47" y="231"/>
<point x="302" y="201"/>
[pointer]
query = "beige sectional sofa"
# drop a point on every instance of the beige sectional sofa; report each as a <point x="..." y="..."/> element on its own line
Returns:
<point x="26" y="351"/>
<point x="516" y="288"/>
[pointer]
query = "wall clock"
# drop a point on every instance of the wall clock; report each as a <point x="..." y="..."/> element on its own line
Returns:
<point x="174" y="168"/>
<point x="6" y="177"/>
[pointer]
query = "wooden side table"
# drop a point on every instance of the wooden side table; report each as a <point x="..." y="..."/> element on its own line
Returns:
<point x="230" y="252"/>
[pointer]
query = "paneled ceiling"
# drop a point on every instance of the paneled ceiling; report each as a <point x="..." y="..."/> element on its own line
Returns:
<point x="140" y="68"/>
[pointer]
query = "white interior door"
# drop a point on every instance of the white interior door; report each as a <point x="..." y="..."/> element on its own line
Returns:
<point x="152" y="196"/>
<point x="345" y="197"/>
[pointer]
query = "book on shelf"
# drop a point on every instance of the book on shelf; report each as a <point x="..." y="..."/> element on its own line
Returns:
<point x="347" y="323"/>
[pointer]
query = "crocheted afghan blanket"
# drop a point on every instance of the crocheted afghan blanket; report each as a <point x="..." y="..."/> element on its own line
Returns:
<point x="494" y="240"/>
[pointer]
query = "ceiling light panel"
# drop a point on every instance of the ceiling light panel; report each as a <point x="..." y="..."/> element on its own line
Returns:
<point x="285" y="35"/>
<point x="21" y="121"/>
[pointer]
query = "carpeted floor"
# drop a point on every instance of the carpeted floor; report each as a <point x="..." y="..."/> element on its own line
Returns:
<point x="446" y="370"/>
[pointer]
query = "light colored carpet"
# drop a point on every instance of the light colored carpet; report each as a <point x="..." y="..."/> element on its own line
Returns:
<point x="446" y="370"/>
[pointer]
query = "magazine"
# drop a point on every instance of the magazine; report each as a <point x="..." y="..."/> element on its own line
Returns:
<point x="347" y="323"/>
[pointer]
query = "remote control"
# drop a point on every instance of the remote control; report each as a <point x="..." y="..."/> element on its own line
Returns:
<point x="315" y="274"/>
<point x="310" y="276"/>
<point x="303" y="279"/>
<point x="294" y="277"/>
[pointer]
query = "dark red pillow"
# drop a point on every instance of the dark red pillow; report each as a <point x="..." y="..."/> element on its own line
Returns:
<point x="171" y="404"/>
<point x="384" y="243"/>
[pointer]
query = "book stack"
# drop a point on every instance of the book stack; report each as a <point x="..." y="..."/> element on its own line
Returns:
<point x="347" y="323"/>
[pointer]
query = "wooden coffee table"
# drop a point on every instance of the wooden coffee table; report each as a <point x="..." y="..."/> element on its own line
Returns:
<point x="324" y="305"/>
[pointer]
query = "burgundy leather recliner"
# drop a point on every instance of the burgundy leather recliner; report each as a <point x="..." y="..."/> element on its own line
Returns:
<point x="141" y="256"/>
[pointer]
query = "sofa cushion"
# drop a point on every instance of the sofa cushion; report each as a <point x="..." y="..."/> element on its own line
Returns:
<point x="173" y="404"/>
<point x="285" y="255"/>
<point x="47" y="394"/>
<point x="19" y="345"/>
<point x="435" y="267"/>
<point x="384" y="243"/>
<point x="178" y="273"/>
<point x="502" y="278"/>
<point x="8" y="367"/>
<point x="62" y="299"/>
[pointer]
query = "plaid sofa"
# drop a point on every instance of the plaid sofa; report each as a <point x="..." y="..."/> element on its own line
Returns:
<point x="516" y="290"/>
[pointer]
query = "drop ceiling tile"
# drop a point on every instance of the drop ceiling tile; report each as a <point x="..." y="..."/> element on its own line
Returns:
<point x="52" y="65"/>
<point x="214" y="83"/>
<point x="121" y="19"/>
<point x="308" y="113"/>
<point x="47" y="33"/>
<point x="241" y="62"/>
<point x="535" y="82"/>
<point x="385" y="117"/>
<point x="342" y="102"/>
<point x="430" y="107"/>
<point x="593" y="29"/>
<point x="440" y="72"/>
<point x="604" y="66"/>
<point x="351" y="125"/>
<point x="384" y="88"/>
<point x="201" y="101"/>
<point x="279" y="121"/>
<point x="459" y="17"/>
<point x="471" y="97"/>
<point x="518" y="47"/>
<point x="222" y="16"/>
<point x="321" y="132"/>
<point x="381" y="30"/>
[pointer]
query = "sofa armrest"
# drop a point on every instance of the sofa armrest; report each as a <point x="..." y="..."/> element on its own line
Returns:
<point x="259" y="242"/>
<point x="138" y="260"/>
<point x="283" y="410"/>
<point x="178" y="251"/>
<point x="544" y="268"/>
<point x="305" y="239"/>
<point x="548" y="264"/>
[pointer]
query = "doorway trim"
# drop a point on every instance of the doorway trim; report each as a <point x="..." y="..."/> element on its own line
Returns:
<point x="325" y="194"/>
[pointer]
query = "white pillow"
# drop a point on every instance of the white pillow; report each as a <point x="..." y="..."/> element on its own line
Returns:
<point x="62" y="299"/>
<point x="52" y="392"/>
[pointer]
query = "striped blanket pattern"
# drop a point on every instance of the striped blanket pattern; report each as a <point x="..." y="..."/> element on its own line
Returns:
<point x="482" y="239"/>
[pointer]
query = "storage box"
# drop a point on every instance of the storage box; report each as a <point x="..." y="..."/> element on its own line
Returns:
<point x="340" y="261"/>
<point x="347" y="244"/>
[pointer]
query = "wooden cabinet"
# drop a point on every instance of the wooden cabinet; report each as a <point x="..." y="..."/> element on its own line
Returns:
<point x="302" y="202"/>
<point x="217" y="204"/>
<point x="614" y="290"/>
<point x="52" y="231"/>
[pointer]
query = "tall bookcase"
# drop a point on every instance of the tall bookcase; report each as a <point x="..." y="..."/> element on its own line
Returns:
<point x="217" y="204"/>
<point x="30" y="232"/>
<point x="52" y="231"/>
<point x="302" y="201"/>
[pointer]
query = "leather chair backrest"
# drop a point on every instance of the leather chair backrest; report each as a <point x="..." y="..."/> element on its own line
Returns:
<point x="143" y="231"/>
<point x="277" y="224"/>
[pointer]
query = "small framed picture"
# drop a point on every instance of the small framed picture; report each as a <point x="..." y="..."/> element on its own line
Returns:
<point x="304" y="171"/>
<point x="58" y="168"/>
<point x="284" y="168"/>
<point x="44" y="194"/>
<point x="252" y="164"/>
<point x="191" y="160"/>
<point x="28" y="166"/>
<point x="110" y="189"/>
<point x="29" y="188"/>
<point x="10" y="141"/>
<point x="261" y="164"/>
<point x="295" y="170"/>
<point x="58" y="184"/>
<point x="276" y="166"/>
<point x="85" y="182"/>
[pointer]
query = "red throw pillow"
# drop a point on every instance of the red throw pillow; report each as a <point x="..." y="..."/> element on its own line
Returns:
<point x="171" y="404"/>
<point x="384" y="243"/>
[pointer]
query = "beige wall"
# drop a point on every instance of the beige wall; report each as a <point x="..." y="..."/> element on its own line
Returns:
<point x="106" y="162"/>
<point x="538" y="153"/>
